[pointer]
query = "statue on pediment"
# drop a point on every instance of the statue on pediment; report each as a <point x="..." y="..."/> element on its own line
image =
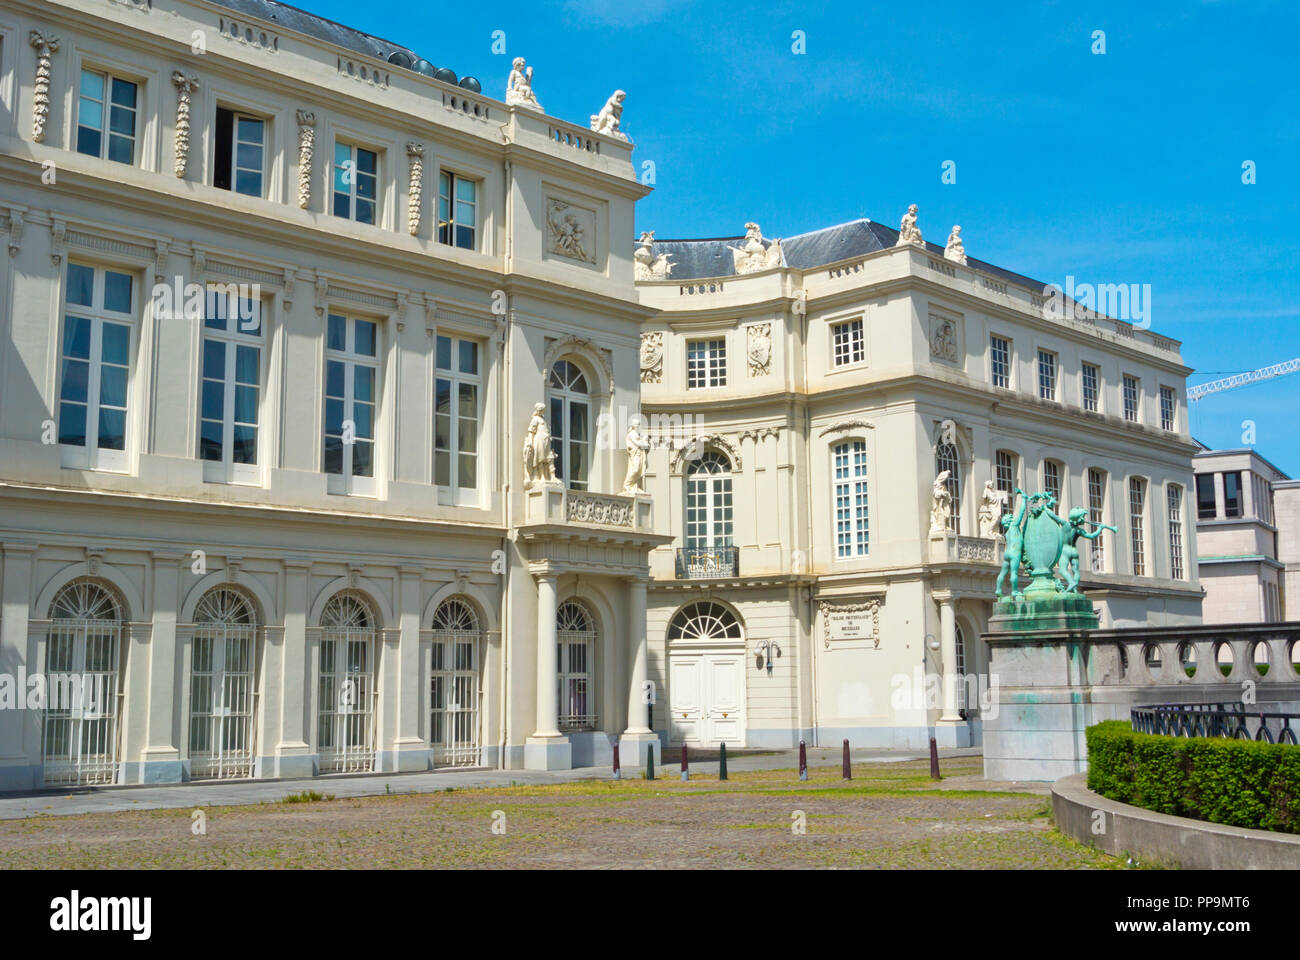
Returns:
<point x="908" y="231"/>
<point x="610" y="116"/>
<point x="955" y="250"/>
<point x="519" y="88"/>
<point x="647" y="265"/>
<point x="752" y="256"/>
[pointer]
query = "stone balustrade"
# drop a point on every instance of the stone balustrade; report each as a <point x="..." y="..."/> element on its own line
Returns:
<point x="555" y="504"/>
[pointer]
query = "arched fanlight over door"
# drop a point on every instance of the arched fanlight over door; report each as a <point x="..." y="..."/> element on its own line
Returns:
<point x="82" y="670"/>
<point x="347" y="692"/>
<point x="570" y="406"/>
<point x="454" y="684"/>
<point x="702" y="622"/>
<point x="223" y="686"/>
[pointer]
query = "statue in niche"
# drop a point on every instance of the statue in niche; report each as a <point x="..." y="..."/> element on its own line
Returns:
<point x="940" y="504"/>
<point x="539" y="455"/>
<point x="752" y="256"/>
<point x="908" y="231"/>
<point x="638" y="448"/>
<point x="993" y="503"/>
<point x="610" y="116"/>
<point x="648" y="266"/>
<point x="519" y="88"/>
<point x="955" y="250"/>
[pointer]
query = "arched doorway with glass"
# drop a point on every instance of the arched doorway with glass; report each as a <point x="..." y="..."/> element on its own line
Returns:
<point x="347" y="692"/>
<point x="706" y="676"/>
<point x="576" y="636"/>
<point x="708" y="545"/>
<point x="570" y="402"/>
<point x="455" y="684"/>
<point x="223" y="686"/>
<point x="83" y="677"/>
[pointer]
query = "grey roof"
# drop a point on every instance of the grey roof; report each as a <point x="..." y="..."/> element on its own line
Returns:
<point x="699" y="259"/>
<point x="291" y="18"/>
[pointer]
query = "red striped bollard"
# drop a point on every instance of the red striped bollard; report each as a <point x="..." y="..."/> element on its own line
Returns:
<point x="686" y="775"/>
<point x="803" y="760"/>
<point x="848" y="767"/>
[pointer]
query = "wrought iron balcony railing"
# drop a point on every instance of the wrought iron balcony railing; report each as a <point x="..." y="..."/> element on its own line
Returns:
<point x="707" y="563"/>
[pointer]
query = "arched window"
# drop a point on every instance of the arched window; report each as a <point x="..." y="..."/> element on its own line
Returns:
<point x="708" y="502"/>
<point x="704" y="621"/>
<point x="570" y="424"/>
<point x="82" y="677"/>
<point x="223" y="686"/>
<point x="963" y="700"/>
<point x="945" y="458"/>
<point x="454" y="684"/>
<point x="576" y="635"/>
<point x="345" y="729"/>
<point x="850" y="496"/>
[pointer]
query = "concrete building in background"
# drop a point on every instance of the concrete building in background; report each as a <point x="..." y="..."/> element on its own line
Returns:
<point x="1242" y="536"/>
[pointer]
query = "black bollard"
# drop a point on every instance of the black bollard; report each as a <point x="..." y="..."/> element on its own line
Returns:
<point x="803" y="760"/>
<point x="722" y="761"/>
<point x="934" y="760"/>
<point x="650" y="761"/>
<point x="848" y="767"/>
<point x="685" y="772"/>
<point x="617" y="773"/>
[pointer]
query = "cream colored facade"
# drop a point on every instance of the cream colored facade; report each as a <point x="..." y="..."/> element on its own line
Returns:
<point x="302" y="612"/>
<point x="857" y="631"/>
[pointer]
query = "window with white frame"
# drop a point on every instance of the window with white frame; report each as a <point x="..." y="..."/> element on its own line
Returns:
<point x="1004" y="477"/>
<point x="1137" y="495"/>
<point x="457" y="210"/>
<point x="709" y="508"/>
<point x="1052" y="480"/>
<point x="1168" y="408"/>
<point x="230" y="387"/>
<point x="1096" y="506"/>
<point x="1000" y="359"/>
<point x="850" y="496"/>
<point x="347" y="690"/>
<point x="351" y="401"/>
<point x="1091" y="386"/>
<point x="107" y="109"/>
<point x="239" y="163"/>
<point x="848" y="342"/>
<point x="706" y="363"/>
<point x="1046" y="375"/>
<point x="1132" y="393"/>
<point x="356" y="182"/>
<point x="576" y="637"/>
<point x="945" y="458"/>
<point x="570" y="401"/>
<point x="95" y="367"/>
<point x="456" y="417"/>
<point x="223" y="686"/>
<point x="1174" y="495"/>
<point x="454" y="684"/>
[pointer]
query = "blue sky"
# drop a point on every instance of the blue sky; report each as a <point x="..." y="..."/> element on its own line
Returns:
<point x="1124" y="167"/>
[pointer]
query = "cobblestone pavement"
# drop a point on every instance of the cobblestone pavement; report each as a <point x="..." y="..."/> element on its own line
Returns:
<point x="890" y="815"/>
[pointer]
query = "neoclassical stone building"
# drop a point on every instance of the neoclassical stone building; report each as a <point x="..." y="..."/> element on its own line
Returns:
<point x="317" y="451"/>
<point x="857" y="411"/>
<point x="278" y="299"/>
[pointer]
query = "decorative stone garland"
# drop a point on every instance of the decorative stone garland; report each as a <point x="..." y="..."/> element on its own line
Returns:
<point x="45" y="48"/>
<point x="185" y="87"/>
<point x="306" y="146"/>
<point x="415" y="151"/>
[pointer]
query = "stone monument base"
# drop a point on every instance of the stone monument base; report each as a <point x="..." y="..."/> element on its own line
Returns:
<point x="1035" y="611"/>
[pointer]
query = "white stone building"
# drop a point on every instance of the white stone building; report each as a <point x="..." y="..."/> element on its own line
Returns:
<point x="828" y="380"/>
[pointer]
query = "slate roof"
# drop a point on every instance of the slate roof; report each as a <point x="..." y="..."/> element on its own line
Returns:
<point x="291" y="18"/>
<point x="709" y="258"/>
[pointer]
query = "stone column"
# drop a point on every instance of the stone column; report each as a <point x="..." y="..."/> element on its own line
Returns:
<point x="19" y="769"/>
<point x="638" y="740"/>
<point x="547" y="748"/>
<point x="948" y="646"/>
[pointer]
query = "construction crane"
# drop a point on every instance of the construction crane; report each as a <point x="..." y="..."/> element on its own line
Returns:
<point x="1241" y="379"/>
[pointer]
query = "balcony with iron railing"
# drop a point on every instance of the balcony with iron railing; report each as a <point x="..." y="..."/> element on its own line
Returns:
<point x="708" y="563"/>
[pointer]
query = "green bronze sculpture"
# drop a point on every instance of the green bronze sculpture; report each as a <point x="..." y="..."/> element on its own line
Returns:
<point x="1070" y="549"/>
<point x="1013" y="555"/>
<point x="1045" y="542"/>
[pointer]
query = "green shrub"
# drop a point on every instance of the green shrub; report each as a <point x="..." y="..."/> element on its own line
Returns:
<point x="1242" y="783"/>
<point x="306" y="796"/>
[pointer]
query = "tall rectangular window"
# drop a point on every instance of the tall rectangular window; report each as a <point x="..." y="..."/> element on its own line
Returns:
<point x="848" y="342"/>
<point x="1046" y="375"/>
<point x="1096" y="504"/>
<point x="351" y="372"/>
<point x="1206" y="508"/>
<point x="240" y="145"/>
<point x="106" y="117"/>
<point x="1091" y="381"/>
<point x="356" y="179"/>
<point x="850" y="495"/>
<point x="457" y="210"/>
<point x="706" y="363"/>
<point x="1132" y="394"/>
<point x="456" y="415"/>
<point x="1168" y="408"/>
<point x="1137" y="494"/>
<point x="230" y="387"/>
<point x="1232" y="500"/>
<point x="1000" y="358"/>
<point x="1052" y="480"/>
<point x="94" y="369"/>
<point x="1005" y="474"/>
<point x="1174" y="493"/>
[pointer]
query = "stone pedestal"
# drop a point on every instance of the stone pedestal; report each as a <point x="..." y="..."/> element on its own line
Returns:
<point x="548" y="753"/>
<point x="633" y="749"/>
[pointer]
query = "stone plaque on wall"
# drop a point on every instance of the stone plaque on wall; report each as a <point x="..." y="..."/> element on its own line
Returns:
<point x="851" y="624"/>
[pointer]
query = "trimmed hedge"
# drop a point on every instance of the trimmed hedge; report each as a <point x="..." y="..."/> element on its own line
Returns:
<point x="1242" y="783"/>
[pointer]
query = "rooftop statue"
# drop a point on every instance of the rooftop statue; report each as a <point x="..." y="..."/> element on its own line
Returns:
<point x="519" y="88"/>
<point x="648" y="266"/>
<point x="610" y="116"/>
<point x="752" y="256"/>
<point x="908" y="231"/>
<point x="955" y="250"/>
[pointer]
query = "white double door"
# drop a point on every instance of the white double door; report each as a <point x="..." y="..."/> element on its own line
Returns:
<point x="707" y="698"/>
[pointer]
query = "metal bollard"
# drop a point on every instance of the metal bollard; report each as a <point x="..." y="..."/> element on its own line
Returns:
<point x="686" y="775"/>
<point x="934" y="760"/>
<point x="650" y="761"/>
<point x="618" y="775"/>
<point x="722" y="761"/>
<point x="803" y="760"/>
<point x="848" y="767"/>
